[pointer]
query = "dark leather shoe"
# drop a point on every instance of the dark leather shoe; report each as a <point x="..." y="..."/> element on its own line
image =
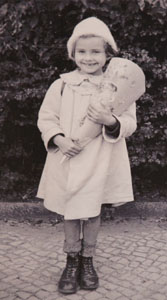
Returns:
<point x="69" y="281"/>
<point x="88" y="276"/>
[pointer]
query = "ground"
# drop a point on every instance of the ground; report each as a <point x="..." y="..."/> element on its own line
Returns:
<point x="131" y="260"/>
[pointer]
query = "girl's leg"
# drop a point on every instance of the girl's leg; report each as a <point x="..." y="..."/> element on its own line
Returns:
<point x="90" y="231"/>
<point x="69" y="280"/>
<point x="72" y="230"/>
<point x="88" y="276"/>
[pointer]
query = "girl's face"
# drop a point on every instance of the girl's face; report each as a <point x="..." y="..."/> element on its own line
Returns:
<point x="90" y="55"/>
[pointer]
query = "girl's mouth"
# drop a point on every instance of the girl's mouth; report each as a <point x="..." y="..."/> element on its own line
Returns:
<point x="89" y="64"/>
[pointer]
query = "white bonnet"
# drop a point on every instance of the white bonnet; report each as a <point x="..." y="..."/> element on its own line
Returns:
<point x="93" y="26"/>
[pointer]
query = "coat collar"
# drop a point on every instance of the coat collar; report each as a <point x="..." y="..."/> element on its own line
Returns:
<point x="76" y="78"/>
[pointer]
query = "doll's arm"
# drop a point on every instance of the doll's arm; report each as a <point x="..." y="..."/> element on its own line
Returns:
<point x="48" y="117"/>
<point x="128" y="125"/>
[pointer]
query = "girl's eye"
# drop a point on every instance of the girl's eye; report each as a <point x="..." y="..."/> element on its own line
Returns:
<point x="80" y="51"/>
<point x="96" y="51"/>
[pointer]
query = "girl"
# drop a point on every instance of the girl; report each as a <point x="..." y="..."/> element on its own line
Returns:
<point x="99" y="172"/>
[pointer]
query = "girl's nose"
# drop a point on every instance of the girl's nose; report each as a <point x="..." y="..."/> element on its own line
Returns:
<point x="88" y="56"/>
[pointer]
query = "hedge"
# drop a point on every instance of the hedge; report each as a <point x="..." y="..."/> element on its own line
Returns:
<point x="33" y="36"/>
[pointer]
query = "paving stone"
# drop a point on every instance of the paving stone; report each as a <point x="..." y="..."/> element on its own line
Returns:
<point x="114" y="295"/>
<point x="23" y="295"/>
<point x="164" y="289"/>
<point x="82" y="292"/>
<point x="102" y="290"/>
<point x="127" y="252"/>
<point x="147" y="263"/>
<point x="127" y="292"/>
<point x="92" y="296"/>
<point x="3" y="294"/>
<point x="31" y="288"/>
<point x="158" y="296"/>
<point x="162" y="266"/>
<point x="122" y="298"/>
<point x="154" y="276"/>
<point x="156" y="264"/>
<point x="140" y="259"/>
<point x="110" y="286"/>
<point x="126" y="284"/>
<point x="134" y="264"/>
<point x="162" y="259"/>
<point x="155" y="287"/>
<point x="162" y="280"/>
<point x="153" y="257"/>
<point x="73" y="297"/>
<point x="138" y="297"/>
<point x="164" y="272"/>
<point x="42" y="294"/>
<point x="140" y="254"/>
<point x="50" y="287"/>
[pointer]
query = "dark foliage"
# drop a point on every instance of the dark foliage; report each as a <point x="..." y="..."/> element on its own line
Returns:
<point x="33" y="36"/>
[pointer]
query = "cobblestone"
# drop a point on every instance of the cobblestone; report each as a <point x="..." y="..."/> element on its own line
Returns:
<point x="131" y="261"/>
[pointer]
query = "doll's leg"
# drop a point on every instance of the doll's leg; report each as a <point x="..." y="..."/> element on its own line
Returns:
<point x="69" y="280"/>
<point x="88" y="276"/>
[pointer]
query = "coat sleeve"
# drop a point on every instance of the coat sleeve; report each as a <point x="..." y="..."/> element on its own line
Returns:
<point x="48" y="117"/>
<point x="128" y="125"/>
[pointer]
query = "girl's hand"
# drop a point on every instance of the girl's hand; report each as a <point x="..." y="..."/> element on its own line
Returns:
<point x="100" y="115"/>
<point x="67" y="146"/>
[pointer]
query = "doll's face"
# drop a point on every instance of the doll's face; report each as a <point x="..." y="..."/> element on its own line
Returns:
<point x="90" y="55"/>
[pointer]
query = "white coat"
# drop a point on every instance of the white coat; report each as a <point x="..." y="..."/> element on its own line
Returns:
<point x="100" y="173"/>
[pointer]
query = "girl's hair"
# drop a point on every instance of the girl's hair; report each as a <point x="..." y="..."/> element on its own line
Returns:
<point x="108" y="50"/>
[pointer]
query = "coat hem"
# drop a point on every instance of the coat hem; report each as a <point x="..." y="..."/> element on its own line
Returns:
<point x="72" y="218"/>
<point x="115" y="204"/>
<point x="121" y="200"/>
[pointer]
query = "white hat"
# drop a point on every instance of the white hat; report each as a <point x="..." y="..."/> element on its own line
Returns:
<point x="93" y="26"/>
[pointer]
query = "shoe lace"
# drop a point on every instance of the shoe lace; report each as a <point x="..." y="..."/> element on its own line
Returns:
<point x="88" y="266"/>
<point x="71" y="267"/>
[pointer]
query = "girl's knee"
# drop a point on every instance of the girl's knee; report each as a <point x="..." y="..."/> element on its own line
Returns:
<point x="93" y="220"/>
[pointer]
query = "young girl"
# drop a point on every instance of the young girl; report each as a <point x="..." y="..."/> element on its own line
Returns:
<point x="66" y="104"/>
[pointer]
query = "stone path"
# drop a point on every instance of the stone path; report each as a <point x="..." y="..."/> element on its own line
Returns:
<point x="131" y="261"/>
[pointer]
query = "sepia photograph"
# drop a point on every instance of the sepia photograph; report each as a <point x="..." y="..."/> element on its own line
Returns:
<point x="83" y="149"/>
